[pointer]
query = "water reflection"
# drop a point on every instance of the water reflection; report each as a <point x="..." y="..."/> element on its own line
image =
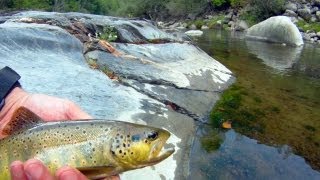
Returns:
<point x="275" y="55"/>
<point x="240" y="157"/>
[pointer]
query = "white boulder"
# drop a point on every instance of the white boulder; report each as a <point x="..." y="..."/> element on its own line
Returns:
<point x="278" y="29"/>
<point x="194" y="33"/>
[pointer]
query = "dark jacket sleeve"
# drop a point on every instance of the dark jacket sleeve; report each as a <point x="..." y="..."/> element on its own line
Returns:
<point x="8" y="80"/>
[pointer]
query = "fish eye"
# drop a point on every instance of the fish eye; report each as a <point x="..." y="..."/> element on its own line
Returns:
<point x="152" y="135"/>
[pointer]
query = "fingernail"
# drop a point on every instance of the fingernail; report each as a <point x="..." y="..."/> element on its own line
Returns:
<point x="68" y="175"/>
<point x="17" y="171"/>
<point x="34" y="171"/>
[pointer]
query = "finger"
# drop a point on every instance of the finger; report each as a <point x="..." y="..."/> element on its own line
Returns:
<point x="17" y="172"/>
<point x="35" y="170"/>
<point x="73" y="111"/>
<point x="68" y="173"/>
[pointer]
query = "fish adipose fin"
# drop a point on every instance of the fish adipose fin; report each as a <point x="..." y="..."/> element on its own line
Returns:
<point x="21" y="119"/>
<point x="98" y="172"/>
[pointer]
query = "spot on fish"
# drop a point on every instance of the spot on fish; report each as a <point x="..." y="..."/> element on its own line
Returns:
<point x="84" y="132"/>
<point x="120" y="151"/>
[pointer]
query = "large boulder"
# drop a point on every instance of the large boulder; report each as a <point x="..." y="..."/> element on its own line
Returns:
<point x="278" y="29"/>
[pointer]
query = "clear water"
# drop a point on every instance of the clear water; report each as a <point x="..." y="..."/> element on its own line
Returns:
<point x="283" y="78"/>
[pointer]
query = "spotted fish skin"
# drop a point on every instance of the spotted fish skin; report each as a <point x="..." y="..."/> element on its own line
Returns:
<point x="98" y="148"/>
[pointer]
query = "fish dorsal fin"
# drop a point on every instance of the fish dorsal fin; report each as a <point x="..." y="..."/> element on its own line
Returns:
<point x="21" y="119"/>
<point x="98" y="172"/>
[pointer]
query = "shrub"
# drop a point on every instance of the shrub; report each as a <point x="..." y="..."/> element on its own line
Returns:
<point x="263" y="9"/>
<point x="218" y="3"/>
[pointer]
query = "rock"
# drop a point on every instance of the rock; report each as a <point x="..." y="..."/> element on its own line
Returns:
<point x="291" y="6"/>
<point x="231" y="24"/>
<point x="312" y="35"/>
<point x="314" y="10"/>
<point x="162" y="84"/>
<point x="208" y="16"/>
<point x="228" y="17"/>
<point x="317" y="3"/>
<point x="318" y="34"/>
<point x="306" y="37"/>
<point x="240" y="25"/>
<point x="160" y="24"/>
<point x="318" y="15"/>
<point x="305" y="13"/>
<point x="312" y="40"/>
<point x="313" y="19"/>
<point x="194" y="33"/>
<point x="204" y="27"/>
<point x="290" y="13"/>
<point x="193" y="27"/>
<point x="310" y="31"/>
<point x="278" y="29"/>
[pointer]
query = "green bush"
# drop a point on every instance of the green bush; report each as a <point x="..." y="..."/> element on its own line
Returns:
<point x="263" y="9"/>
<point x="218" y="3"/>
<point x="238" y="3"/>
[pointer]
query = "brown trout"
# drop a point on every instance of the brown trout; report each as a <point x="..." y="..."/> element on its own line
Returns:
<point x="98" y="148"/>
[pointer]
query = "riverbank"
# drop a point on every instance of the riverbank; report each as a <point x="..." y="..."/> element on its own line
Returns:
<point x="304" y="14"/>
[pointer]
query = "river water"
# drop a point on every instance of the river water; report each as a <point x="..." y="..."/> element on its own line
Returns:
<point x="285" y="83"/>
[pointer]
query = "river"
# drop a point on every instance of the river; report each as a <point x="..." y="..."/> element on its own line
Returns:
<point x="284" y="82"/>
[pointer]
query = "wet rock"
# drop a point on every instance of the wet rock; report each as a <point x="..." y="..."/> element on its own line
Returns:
<point x="278" y="29"/>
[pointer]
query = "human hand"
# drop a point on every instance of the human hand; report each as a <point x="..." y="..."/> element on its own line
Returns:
<point x="49" y="109"/>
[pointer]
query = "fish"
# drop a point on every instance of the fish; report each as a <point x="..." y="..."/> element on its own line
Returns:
<point x="98" y="148"/>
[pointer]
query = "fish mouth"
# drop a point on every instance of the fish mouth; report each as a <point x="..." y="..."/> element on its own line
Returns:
<point x="163" y="154"/>
<point x="159" y="152"/>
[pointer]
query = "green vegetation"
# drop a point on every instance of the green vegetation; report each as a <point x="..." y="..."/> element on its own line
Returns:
<point x="263" y="9"/>
<point x="164" y="9"/>
<point x="231" y="108"/>
<point x="212" y="141"/>
<point x="109" y="34"/>
<point x="308" y="26"/>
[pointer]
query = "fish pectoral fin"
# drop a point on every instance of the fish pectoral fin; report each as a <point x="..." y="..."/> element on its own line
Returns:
<point x="98" y="172"/>
<point x="22" y="118"/>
